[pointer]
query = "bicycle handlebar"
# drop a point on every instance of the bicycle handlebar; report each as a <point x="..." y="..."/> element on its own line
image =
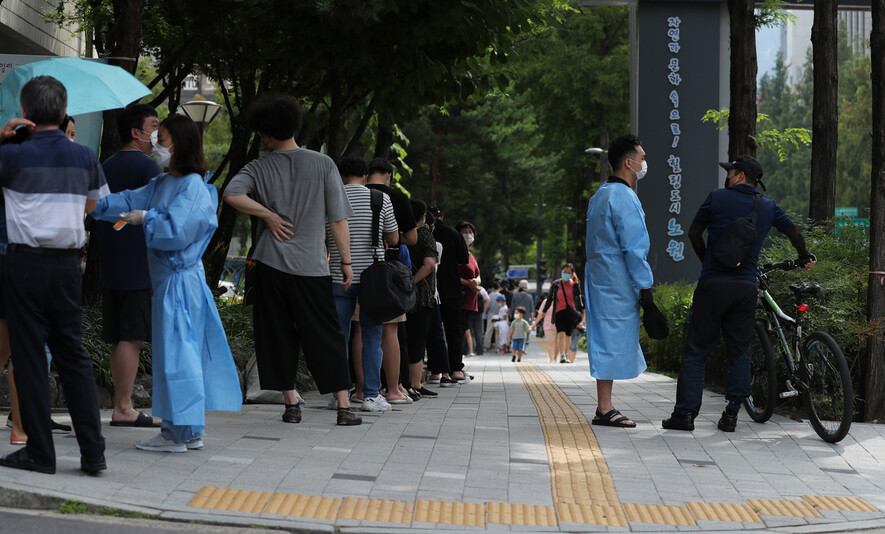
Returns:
<point x="788" y="265"/>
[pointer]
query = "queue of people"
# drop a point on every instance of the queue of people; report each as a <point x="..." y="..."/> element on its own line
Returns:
<point x="321" y="224"/>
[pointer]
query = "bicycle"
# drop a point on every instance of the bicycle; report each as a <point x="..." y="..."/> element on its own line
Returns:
<point x="815" y="364"/>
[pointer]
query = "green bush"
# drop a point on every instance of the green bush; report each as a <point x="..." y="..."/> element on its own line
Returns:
<point x="840" y="310"/>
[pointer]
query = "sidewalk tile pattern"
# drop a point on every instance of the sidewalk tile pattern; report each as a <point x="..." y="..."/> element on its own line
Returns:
<point x="854" y="504"/>
<point x="784" y="508"/>
<point x="659" y="514"/>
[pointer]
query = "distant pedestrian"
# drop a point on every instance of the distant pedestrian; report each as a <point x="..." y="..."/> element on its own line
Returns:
<point x="193" y="367"/>
<point x="49" y="184"/>
<point x="566" y="300"/>
<point x="502" y="330"/>
<point x="295" y="192"/>
<point x="519" y="334"/>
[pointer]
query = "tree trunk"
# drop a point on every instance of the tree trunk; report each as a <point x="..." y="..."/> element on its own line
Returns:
<point x="825" y="112"/>
<point x="384" y="140"/>
<point x="742" y="82"/>
<point x="875" y="354"/>
<point x="125" y="44"/>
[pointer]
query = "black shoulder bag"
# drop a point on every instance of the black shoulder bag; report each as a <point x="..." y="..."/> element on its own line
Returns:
<point x="736" y="242"/>
<point x="387" y="289"/>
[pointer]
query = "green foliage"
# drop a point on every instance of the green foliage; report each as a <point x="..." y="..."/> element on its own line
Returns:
<point x="771" y="14"/>
<point x="781" y="141"/>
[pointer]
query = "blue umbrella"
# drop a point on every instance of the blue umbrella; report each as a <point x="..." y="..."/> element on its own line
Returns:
<point x="91" y="85"/>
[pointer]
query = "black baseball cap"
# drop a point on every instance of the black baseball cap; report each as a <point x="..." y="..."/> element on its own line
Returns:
<point x="745" y="164"/>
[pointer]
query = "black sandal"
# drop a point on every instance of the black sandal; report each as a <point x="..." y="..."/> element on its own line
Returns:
<point x="612" y="418"/>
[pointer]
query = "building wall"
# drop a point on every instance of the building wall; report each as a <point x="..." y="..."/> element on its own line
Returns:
<point x="23" y="30"/>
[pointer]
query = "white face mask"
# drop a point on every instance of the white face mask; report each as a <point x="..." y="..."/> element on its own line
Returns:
<point x="162" y="155"/>
<point x="640" y="174"/>
<point x="468" y="238"/>
<point x="517" y="316"/>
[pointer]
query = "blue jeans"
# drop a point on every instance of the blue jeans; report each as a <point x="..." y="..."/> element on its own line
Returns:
<point x="181" y="433"/>
<point x="345" y="303"/>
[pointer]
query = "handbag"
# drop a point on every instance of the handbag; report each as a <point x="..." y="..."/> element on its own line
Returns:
<point x="735" y="243"/>
<point x="572" y="314"/>
<point x="387" y="289"/>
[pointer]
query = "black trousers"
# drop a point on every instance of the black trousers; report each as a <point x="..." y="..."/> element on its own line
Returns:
<point x="437" y="350"/>
<point x="453" y="323"/>
<point x="725" y="304"/>
<point x="292" y="313"/>
<point x="418" y="325"/>
<point x="43" y="303"/>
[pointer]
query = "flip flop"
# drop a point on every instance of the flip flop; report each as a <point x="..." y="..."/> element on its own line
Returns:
<point x="612" y="418"/>
<point x="142" y="421"/>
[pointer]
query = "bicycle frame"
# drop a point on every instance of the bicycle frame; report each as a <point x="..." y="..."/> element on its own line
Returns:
<point x="775" y="315"/>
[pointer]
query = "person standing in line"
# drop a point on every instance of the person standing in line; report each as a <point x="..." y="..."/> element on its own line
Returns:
<point x="424" y="257"/>
<point x="474" y="320"/>
<point x="437" y="348"/>
<point x="470" y="279"/>
<point x="725" y="297"/>
<point x="451" y="292"/>
<point x="368" y="363"/>
<point x="295" y="192"/>
<point x="48" y="184"/>
<point x="380" y="176"/>
<point x="616" y="274"/>
<point x="123" y="258"/>
<point x="193" y="367"/>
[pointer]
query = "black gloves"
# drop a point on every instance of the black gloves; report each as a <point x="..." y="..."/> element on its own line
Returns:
<point x="656" y="325"/>
<point x="805" y="259"/>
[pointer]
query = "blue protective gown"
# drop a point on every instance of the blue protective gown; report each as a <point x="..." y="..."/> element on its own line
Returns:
<point x="617" y="245"/>
<point x="193" y="369"/>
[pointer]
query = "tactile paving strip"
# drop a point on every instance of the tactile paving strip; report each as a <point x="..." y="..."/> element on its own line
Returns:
<point x="376" y="510"/>
<point x="230" y="500"/>
<point x="659" y="514"/>
<point x="715" y="511"/>
<point x="303" y="506"/>
<point x="844" y="504"/>
<point x="520" y="514"/>
<point x="783" y="508"/>
<point x="452" y="513"/>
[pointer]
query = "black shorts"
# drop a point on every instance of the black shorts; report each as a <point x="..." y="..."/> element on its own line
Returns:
<point x="2" y="283"/>
<point x="563" y="323"/>
<point x="126" y="315"/>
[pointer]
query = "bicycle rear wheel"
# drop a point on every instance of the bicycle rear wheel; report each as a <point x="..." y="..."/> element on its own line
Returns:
<point x="829" y="397"/>
<point x="763" y="378"/>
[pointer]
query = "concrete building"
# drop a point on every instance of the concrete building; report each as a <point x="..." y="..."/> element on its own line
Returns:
<point x="24" y="30"/>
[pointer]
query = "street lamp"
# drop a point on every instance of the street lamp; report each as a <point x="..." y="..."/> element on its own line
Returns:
<point x="596" y="151"/>
<point x="202" y="112"/>
<point x="603" y="167"/>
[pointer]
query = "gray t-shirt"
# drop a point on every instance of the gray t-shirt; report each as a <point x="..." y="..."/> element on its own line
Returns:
<point x="304" y="188"/>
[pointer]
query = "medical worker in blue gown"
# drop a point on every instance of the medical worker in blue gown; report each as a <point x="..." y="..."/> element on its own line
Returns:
<point x="193" y="369"/>
<point x="616" y="272"/>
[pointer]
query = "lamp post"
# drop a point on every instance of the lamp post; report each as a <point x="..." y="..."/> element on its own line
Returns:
<point x="202" y="112"/>
<point x="603" y="161"/>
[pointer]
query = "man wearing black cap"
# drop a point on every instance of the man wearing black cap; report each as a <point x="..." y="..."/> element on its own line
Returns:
<point x="725" y="297"/>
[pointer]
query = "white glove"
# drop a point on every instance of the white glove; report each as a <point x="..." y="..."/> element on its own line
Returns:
<point x="133" y="217"/>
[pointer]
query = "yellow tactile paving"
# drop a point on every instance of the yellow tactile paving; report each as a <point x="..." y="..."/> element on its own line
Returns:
<point x="451" y="513"/>
<point x="598" y="514"/>
<point x="520" y="514"/>
<point x="376" y="510"/>
<point x="784" y="508"/>
<point x="303" y="506"/>
<point x="230" y="499"/>
<point x="844" y="504"/>
<point x="658" y="514"/>
<point x="714" y="511"/>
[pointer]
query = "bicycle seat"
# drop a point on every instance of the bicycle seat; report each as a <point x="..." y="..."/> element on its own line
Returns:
<point x="802" y="290"/>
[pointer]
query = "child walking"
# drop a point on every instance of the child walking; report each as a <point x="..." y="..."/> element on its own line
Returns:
<point x="502" y="330"/>
<point x="519" y="331"/>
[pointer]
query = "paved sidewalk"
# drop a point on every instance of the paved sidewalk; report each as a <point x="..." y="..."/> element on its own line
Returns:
<point x="512" y="451"/>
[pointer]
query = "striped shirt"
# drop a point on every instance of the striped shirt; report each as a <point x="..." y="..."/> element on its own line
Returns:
<point x="360" y="226"/>
<point x="46" y="183"/>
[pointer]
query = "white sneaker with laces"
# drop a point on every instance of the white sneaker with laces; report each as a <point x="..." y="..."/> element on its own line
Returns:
<point x="160" y="443"/>
<point x="375" y="404"/>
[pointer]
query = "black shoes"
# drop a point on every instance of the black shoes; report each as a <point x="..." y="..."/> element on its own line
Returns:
<point x="20" y="459"/>
<point x="292" y="413"/>
<point x="728" y="421"/>
<point x="93" y="466"/>
<point x="513" y="359"/>
<point x="58" y="428"/>
<point x="426" y="392"/>
<point x="679" y="422"/>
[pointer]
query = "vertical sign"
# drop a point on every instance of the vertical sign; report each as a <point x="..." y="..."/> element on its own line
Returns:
<point x="678" y="82"/>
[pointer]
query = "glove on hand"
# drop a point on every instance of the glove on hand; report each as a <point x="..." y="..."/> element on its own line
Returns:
<point x="133" y="217"/>
<point x="646" y="298"/>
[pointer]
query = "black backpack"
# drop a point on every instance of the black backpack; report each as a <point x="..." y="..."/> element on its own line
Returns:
<point x="387" y="289"/>
<point x="736" y="242"/>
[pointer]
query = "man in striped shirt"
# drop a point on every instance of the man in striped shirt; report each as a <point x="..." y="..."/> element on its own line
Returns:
<point x="353" y="173"/>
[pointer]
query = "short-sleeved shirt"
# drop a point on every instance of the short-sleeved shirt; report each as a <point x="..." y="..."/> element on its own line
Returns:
<point x="519" y="329"/>
<point x="123" y="253"/>
<point x="425" y="247"/>
<point x="469" y="271"/>
<point x="360" y="226"/>
<point x="724" y="206"/>
<point x="46" y="183"/>
<point x="304" y="188"/>
<point x="402" y="206"/>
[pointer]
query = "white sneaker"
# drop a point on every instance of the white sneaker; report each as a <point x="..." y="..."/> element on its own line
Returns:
<point x="160" y="443"/>
<point x="465" y="380"/>
<point x="429" y="381"/>
<point x="375" y="404"/>
<point x="333" y="403"/>
<point x="194" y="444"/>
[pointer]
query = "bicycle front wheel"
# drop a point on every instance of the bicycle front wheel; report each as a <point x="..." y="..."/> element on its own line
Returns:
<point x="829" y="396"/>
<point x="763" y="377"/>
